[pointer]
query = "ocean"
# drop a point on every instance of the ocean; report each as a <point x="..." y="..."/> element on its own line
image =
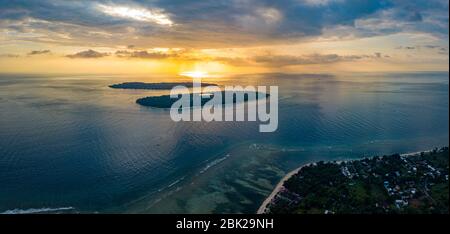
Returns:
<point x="71" y="144"/>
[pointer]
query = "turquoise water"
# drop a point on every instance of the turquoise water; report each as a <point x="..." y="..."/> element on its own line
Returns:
<point x="71" y="144"/>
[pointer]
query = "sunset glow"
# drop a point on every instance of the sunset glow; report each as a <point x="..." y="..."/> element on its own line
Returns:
<point x="224" y="107"/>
<point x="242" y="37"/>
<point x="195" y="74"/>
<point x="136" y="14"/>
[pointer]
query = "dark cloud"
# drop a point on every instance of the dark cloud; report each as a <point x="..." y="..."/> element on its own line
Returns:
<point x="123" y="53"/>
<point x="262" y="60"/>
<point x="420" y="47"/>
<point x="9" y="55"/>
<point x="443" y="51"/>
<point x="144" y="54"/>
<point x="412" y="16"/>
<point x="406" y="47"/>
<point x="288" y="60"/>
<point x="88" y="54"/>
<point x="38" y="52"/>
<point x="214" y="23"/>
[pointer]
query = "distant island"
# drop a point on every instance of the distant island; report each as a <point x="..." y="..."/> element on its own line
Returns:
<point x="398" y="184"/>
<point x="165" y="101"/>
<point x="155" y="86"/>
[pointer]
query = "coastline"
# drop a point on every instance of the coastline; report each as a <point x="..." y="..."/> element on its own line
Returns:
<point x="279" y="186"/>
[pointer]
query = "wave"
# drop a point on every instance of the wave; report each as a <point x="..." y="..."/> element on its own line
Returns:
<point x="175" y="182"/>
<point x="213" y="163"/>
<point x="37" y="210"/>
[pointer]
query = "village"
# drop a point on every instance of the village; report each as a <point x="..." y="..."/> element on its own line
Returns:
<point x="412" y="183"/>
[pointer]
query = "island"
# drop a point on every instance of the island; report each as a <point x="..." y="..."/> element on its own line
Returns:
<point x="165" y="101"/>
<point x="155" y="86"/>
<point x="414" y="183"/>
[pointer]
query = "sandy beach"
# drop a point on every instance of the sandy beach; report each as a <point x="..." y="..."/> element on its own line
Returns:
<point x="278" y="187"/>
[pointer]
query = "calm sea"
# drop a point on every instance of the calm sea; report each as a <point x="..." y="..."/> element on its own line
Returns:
<point x="68" y="143"/>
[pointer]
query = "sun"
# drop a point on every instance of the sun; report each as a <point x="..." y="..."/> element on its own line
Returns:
<point x="195" y="74"/>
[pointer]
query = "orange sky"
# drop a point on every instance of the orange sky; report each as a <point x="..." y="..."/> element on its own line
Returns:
<point x="148" y="39"/>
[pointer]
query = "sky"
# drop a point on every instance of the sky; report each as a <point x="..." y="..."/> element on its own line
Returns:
<point x="223" y="36"/>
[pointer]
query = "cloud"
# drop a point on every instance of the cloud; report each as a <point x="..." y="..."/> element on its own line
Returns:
<point x="289" y="60"/>
<point x="423" y="47"/>
<point x="88" y="54"/>
<point x="279" y="60"/>
<point x="143" y="54"/>
<point x="9" y="56"/>
<point x="136" y="13"/>
<point x="267" y="59"/>
<point x="415" y="17"/>
<point x="431" y="46"/>
<point x="215" y="23"/>
<point x="318" y="2"/>
<point x="39" y="52"/>
<point x="407" y="47"/>
<point x="443" y="51"/>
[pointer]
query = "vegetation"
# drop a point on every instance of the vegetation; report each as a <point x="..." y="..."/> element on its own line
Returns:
<point x="387" y="184"/>
<point x="166" y="101"/>
<point x="155" y="86"/>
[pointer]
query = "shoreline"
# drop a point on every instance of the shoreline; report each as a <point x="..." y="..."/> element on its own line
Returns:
<point x="279" y="185"/>
<point x="278" y="188"/>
